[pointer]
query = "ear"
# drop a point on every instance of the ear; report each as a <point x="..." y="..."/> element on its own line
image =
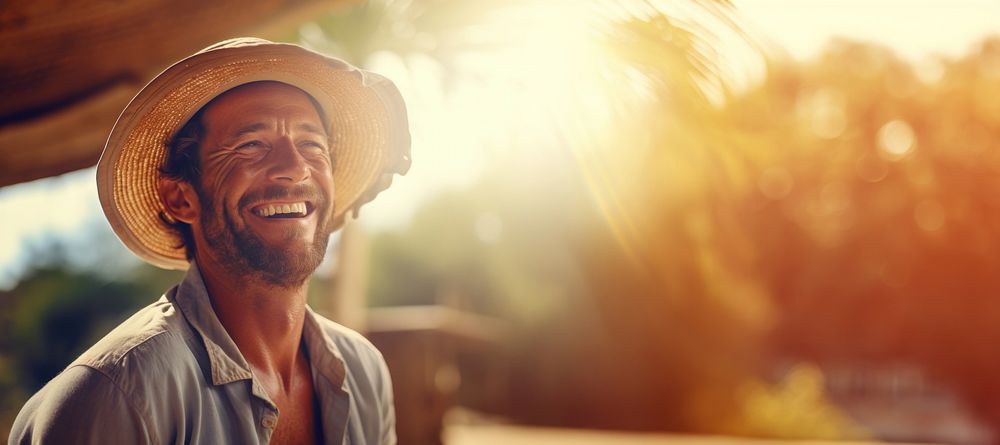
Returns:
<point x="179" y="199"/>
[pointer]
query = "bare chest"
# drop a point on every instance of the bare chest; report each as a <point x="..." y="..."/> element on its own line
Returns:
<point x="299" y="422"/>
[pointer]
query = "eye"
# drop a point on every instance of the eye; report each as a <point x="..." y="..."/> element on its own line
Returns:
<point x="250" y="146"/>
<point x="313" y="145"/>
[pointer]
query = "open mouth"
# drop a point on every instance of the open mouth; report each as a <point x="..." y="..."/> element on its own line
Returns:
<point x="284" y="210"/>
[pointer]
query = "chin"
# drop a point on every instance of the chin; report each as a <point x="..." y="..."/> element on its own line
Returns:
<point x="283" y="267"/>
<point x="287" y="263"/>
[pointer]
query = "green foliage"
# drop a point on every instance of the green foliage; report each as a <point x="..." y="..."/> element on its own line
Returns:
<point x="498" y="249"/>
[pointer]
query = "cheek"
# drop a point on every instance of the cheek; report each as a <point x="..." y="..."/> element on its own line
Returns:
<point x="322" y="169"/>
<point x="226" y="175"/>
<point x="325" y="179"/>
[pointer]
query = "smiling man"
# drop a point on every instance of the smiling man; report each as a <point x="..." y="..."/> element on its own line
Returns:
<point x="236" y="164"/>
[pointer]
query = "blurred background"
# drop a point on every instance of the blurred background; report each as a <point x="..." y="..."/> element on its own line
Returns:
<point x="635" y="221"/>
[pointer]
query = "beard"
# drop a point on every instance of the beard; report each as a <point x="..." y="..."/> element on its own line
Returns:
<point x="244" y="254"/>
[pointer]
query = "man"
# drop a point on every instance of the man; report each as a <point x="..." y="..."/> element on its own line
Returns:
<point x="236" y="163"/>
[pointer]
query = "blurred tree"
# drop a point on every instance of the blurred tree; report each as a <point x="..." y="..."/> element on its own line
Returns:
<point x="875" y="214"/>
<point x="683" y="315"/>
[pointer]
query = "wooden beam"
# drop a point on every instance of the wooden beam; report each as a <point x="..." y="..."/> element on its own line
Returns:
<point x="67" y="69"/>
<point x="68" y="139"/>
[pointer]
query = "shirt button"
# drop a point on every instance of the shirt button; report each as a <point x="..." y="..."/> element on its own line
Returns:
<point x="269" y="422"/>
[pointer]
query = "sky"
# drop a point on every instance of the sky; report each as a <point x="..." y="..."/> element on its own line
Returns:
<point x="60" y="208"/>
<point x="913" y="28"/>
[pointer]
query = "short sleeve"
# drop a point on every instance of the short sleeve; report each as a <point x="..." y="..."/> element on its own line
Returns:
<point x="80" y="406"/>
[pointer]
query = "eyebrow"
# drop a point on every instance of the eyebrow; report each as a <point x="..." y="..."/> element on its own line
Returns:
<point x="249" y="129"/>
<point x="310" y="128"/>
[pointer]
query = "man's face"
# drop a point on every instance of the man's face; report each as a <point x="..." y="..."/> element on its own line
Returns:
<point x="266" y="188"/>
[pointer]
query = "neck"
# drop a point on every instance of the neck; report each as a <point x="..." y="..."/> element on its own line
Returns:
<point x="265" y="321"/>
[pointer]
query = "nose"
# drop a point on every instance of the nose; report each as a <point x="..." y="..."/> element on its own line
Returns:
<point x="286" y="163"/>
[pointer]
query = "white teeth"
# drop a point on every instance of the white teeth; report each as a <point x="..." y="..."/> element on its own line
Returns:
<point x="274" y="209"/>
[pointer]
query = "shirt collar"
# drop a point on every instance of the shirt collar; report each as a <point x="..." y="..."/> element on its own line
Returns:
<point x="227" y="363"/>
<point x="324" y="356"/>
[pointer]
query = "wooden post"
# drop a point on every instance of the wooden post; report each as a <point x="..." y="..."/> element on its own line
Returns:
<point x="347" y="302"/>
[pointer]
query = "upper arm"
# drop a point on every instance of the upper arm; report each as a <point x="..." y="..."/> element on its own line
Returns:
<point x="80" y="406"/>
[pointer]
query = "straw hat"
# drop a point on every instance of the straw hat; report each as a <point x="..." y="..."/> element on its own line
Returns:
<point x="367" y="124"/>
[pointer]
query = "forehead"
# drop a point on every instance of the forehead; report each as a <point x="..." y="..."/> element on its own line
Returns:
<point x="260" y="99"/>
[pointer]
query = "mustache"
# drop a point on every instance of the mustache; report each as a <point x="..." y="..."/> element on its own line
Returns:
<point x="300" y="192"/>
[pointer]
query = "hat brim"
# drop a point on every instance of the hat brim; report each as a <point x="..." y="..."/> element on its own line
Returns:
<point x="370" y="138"/>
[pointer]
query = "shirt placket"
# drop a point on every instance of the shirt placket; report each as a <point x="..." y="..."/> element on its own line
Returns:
<point x="334" y="397"/>
<point x="266" y="412"/>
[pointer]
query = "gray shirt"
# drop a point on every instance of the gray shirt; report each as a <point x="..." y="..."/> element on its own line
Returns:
<point x="171" y="374"/>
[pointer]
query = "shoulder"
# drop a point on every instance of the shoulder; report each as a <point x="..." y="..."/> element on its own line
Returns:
<point x="150" y="339"/>
<point x="135" y="359"/>
<point x="122" y="380"/>
<point x="82" y="405"/>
